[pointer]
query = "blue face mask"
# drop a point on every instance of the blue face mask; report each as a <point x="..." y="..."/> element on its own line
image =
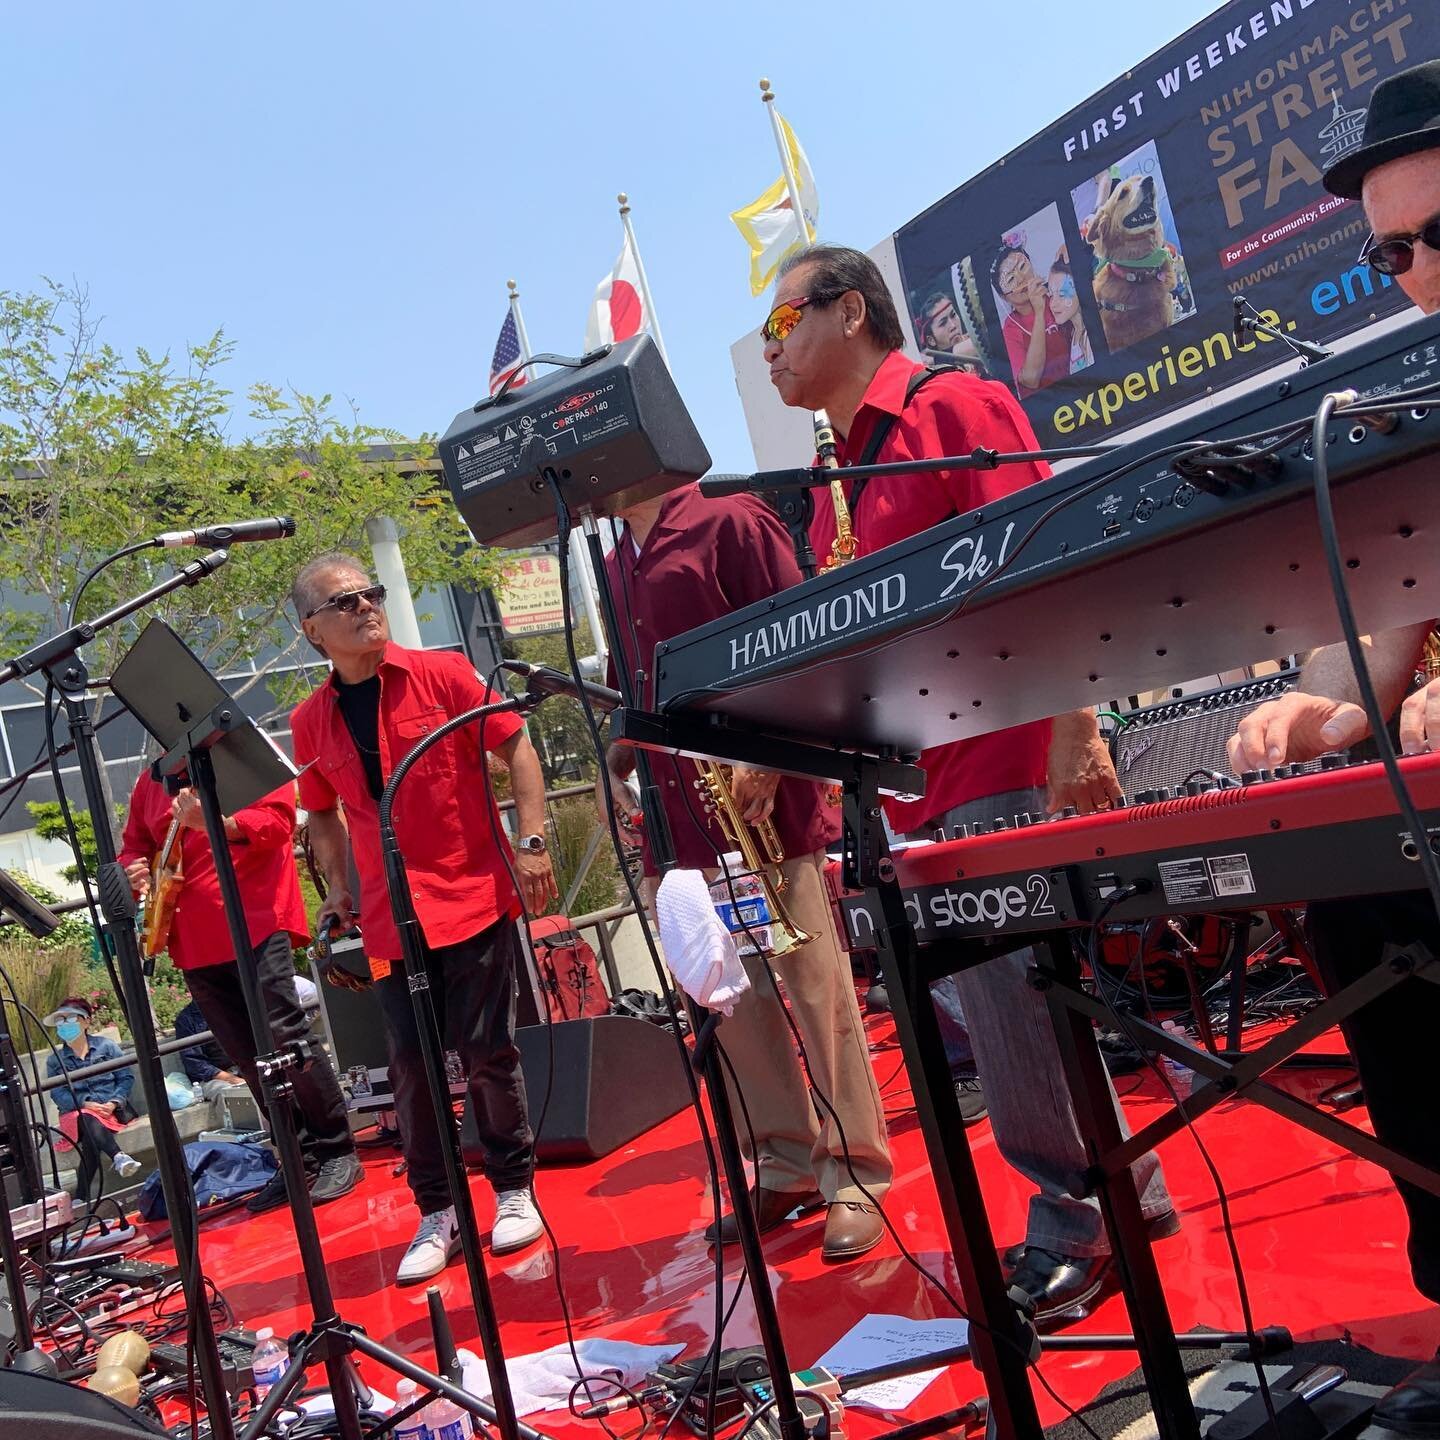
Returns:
<point x="68" y="1030"/>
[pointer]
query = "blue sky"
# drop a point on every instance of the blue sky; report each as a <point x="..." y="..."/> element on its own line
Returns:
<point x="346" y="189"/>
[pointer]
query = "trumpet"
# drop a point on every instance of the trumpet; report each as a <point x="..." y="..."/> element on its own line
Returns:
<point x="759" y="848"/>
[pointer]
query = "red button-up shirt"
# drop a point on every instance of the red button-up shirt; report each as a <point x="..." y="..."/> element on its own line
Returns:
<point x="445" y="816"/>
<point x="264" y="856"/>
<point x="952" y="415"/>
<point x="705" y="559"/>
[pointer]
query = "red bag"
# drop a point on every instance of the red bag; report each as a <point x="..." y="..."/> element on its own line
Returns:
<point x="569" y="972"/>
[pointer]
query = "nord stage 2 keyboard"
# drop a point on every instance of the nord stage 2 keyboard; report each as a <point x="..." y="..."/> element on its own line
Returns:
<point x="1276" y="841"/>
<point x="1132" y="576"/>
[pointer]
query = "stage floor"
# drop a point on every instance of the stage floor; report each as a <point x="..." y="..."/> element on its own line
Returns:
<point x="1321" y="1235"/>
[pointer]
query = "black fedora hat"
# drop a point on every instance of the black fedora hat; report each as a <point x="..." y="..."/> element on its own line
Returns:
<point x="1404" y="117"/>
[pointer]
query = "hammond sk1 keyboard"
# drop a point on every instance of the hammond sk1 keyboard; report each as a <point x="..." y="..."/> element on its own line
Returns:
<point x="1147" y="576"/>
<point x="1266" y="842"/>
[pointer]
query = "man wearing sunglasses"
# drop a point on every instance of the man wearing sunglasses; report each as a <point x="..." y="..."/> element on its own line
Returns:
<point x="833" y="342"/>
<point x="1396" y="175"/>
<point x="379" y="702"/>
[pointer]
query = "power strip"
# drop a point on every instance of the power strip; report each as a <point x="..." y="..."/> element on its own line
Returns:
<point x="237" y="1354"/>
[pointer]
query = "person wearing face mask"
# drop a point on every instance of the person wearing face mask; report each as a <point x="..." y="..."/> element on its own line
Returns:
<point x="91" y="1110"/>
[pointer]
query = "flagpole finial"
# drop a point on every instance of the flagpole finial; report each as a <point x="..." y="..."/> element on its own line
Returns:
<point x="766" y="94"/>
<point x="513" y="288"/>
<point x="624" y="200"/>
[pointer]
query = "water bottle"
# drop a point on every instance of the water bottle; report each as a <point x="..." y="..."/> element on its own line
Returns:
<point x="1182" y="1077"/>
<point x="447" y="1421"/>
<point x="198" y="1091"/>
<point x="415" y="1427"/>
<point x="268" y="1362"/>
<point x="740" y="900"/>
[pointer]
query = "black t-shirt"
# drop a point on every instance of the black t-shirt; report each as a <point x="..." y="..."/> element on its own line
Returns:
<point x="360" y="706"/>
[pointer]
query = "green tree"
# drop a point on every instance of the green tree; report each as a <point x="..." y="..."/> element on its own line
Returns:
<point x="558" y="728"/>
<point x="99" y="449"/>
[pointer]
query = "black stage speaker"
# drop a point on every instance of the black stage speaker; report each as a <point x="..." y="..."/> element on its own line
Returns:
<point x="39" y="1408"/>
<point x="615" y="1078"/>
<point x="1162" y="745"/>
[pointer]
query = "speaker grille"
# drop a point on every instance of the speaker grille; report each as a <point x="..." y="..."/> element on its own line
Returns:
<point x="1162" y="745"/>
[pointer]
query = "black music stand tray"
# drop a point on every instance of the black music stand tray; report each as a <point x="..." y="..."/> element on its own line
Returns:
<point x="232" y="763"/>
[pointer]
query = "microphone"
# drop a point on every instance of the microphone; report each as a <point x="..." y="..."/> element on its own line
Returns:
<point x="277" y="527"/>
<point x="1237" y="328"/>
<point x="542" y="680"/>
<point x="713" y="486"/>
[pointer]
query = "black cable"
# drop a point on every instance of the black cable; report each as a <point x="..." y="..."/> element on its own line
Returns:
<point x="1221" y="1197"/>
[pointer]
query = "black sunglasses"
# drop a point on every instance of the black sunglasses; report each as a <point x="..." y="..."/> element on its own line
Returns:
<point x="347" y="602"/>
<point x="1396" y="255"/>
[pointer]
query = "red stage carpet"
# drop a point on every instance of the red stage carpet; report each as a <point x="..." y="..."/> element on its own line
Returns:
<point x="1322" y="1237"/>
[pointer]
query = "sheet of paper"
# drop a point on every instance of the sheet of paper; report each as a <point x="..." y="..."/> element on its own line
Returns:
<point x="883" y="1339"/>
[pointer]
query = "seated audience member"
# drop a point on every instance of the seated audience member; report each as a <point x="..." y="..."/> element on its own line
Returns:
<point x="93" y="1109"/>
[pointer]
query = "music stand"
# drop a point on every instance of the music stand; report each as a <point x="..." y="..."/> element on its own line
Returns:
<point x="232" y="763"/>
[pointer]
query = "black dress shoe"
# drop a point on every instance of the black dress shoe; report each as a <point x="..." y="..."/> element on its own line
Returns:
<point x="970" y="1095"/>
<point x="1413" y="1406"/>
<point x="269" y="1196"/>
<point x="1058" y="1287"/>
<point x="771" y="1209"/>
<point x="1157" y="1227"/>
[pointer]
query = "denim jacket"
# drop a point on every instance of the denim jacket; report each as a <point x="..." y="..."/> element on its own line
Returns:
<point x="98" y="1089"/>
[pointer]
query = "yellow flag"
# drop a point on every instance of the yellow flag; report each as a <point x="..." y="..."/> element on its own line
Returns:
<point x="770" y="226"/>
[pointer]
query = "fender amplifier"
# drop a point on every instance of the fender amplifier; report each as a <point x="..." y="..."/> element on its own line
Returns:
<point x="1161" y="746"/>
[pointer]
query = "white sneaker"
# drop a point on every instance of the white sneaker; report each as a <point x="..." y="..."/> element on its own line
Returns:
<point x="517" y="1221"/>
<point x="124" y="1165"/>
<point x="434" y="1246"/>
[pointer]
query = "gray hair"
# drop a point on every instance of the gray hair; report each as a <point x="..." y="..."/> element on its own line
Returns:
<point x="305" y="591"/>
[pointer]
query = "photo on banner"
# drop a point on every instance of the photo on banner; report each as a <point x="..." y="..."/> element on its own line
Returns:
<point x="1139" y="280"/>
<point x="1143" y="213"/>
<point x="949" y="323"/>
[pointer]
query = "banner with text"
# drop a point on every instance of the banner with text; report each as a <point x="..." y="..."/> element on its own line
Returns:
<point x="1105" y="296"/>
<point x="530" y="597"/>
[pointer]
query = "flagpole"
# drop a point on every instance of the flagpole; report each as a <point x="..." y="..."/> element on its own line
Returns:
<point x="651" y="314"/>
<point x="579" y="556"/>
<point x="767" y="96"/>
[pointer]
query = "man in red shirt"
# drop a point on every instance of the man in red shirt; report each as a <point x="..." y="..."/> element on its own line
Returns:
<point x="683" y="560"/>
<point x="833" y="342"/>
<point x="350" y="734"/>
<point x="261" y="840"/>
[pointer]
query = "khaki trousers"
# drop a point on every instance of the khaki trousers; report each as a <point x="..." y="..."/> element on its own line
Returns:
<point x="797" y="1142"/>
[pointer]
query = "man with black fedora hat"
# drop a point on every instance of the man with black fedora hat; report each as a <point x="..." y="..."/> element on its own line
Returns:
<point x="1396" y="174"/>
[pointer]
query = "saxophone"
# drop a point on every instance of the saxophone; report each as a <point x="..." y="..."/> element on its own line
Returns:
<point x="843" y="550"/>
<point x="759" y="848"/>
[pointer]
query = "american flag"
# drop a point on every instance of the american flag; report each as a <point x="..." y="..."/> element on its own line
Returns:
<point x="507" y="352"/>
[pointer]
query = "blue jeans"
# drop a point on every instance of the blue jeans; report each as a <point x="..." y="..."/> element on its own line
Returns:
<point x="1011" y="1041"/>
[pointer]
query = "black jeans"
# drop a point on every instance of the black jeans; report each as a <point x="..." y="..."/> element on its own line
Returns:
<point x="473" y="987"/>
<point x="1392" y="1040"/>
<point x="321" y="1123"/>
<point x="96" y="1140"/>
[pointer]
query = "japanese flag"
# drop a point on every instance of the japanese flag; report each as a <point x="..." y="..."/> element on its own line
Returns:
<point x="618" y="310"/>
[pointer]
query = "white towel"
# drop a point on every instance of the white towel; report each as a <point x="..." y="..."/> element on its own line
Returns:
<point x="543" y="1381"/>
<point x="699" y="950"/>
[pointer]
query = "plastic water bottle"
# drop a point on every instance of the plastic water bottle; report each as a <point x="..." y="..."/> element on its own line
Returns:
<point x="447" y="1421"/>
<point x="269" y="1361"/>
<point x="742" y="904"/>
<point x="415" y="1427"/>
<point x="1182" y="1077"/>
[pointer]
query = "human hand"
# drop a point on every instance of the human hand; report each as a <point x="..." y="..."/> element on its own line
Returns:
<point x="612" y="793"/>
<point x="137" y="872"/>
<point x="754" y="792"/>
<point x="1037" y="293"/>
<point x="1420" y="720"/>
<point x="537" y="881"/>
<point x="226" y="1078"/>
<point x="186" y="809"/>
<point x="337" y="912"/>
<point x="1079" y="770"/>
<point x="1295" y="728"/>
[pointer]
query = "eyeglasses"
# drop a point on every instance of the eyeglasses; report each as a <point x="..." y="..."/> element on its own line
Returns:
<point x="347" y="602"/>
<point x="783" y="319"/>
<point x="1396" y="255"/>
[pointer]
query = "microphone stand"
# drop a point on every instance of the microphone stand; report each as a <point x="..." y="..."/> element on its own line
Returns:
<point x="58" y="659"/>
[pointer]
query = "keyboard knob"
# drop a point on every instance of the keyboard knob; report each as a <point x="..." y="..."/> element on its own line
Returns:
<point x="1251" y="777"/>
<point x="1069" y="813"/>
<point x="1119" y="804"/>
<point x="1000" y="824"/>
<point x="1021" y="821"/>
<point x="1334" y="760"/>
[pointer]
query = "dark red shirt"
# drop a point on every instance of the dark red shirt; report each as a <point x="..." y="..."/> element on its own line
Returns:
<point x="705" y="559"/>
<point x="952" y="415"/>
<point x="264" y="856"/>
<point x="445" y="816"/>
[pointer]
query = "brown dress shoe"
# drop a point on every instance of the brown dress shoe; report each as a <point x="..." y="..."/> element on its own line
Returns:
<point x="851" y="1228"/>
<point x="771" y="1208"/>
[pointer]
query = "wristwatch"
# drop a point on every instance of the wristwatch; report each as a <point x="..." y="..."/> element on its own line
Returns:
<point x="532" y="844"/>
